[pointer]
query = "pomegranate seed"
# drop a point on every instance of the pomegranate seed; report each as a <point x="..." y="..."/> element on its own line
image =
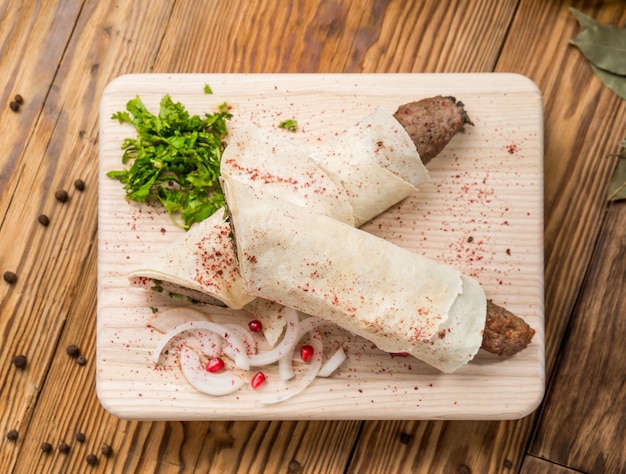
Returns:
<point x="257" y="380"/>
<point x="214" y="365"/>
<point x="255" y="326"/>
<point x="306" y="352"/>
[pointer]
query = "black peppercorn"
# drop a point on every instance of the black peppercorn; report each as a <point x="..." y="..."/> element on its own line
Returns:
<point x="81" y="360"/>
<point x="80" y="437"/>
<point x="19" y="99"/>
<point x="72" y="350"/>
<point x="106" y="450"/>
<point x="19" y="361"/>
<point x="61" y="195"/>
<point x="46" y="447"/>
<point x="44" y="220"/>
<point x="14" y="106"/>
<point x="79" y="184"/>
<point x="12" y="435"/>
<point x="91" y="459"/>
<point x="405" y="438"/>
<point x="294" y="467"/>
<point x="10" y="277"/>
<point x="464" y="469"/>
<point x="64" y="448"/>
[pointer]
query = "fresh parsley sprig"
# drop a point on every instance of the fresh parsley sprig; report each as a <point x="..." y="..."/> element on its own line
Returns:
<point x="175" y="159"/>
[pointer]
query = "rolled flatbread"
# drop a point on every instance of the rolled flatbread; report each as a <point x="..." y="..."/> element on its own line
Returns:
<point x="201" y="265"/>
<point x="359" y="174"/>
<point x="399" y="300"/>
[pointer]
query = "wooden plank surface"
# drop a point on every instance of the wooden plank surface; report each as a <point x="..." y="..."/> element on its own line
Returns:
<point x="581" y="431"/>
<point x="60" y="55"/>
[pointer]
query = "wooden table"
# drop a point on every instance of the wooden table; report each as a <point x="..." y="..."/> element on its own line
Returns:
<point x="60" y="55"/>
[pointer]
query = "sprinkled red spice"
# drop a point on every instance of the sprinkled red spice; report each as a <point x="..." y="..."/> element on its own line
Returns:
<point x="398" y="354"/>
<point x="511" y="148"/>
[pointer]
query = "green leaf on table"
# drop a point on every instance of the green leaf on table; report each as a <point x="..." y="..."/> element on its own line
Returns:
<point x="585" y="21"/>
<point x="615" y="82"/>
<point x="617" y="186"/>
<point x="604" y="46"/>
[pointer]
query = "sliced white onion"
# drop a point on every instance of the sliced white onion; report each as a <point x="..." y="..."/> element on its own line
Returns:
<point x="333" y="363"/>
<point x="164" y="321"/>
<point x="240" y="355"/>
<point x="217" y="385"/>
<point x="236" y="342"/>
<point x="285" y="346"/>
<point x="291" y="389"/>
<point x="285" y="367"/>
<point x="210" y="343"/>
<point x="245" y="336"/>
<point x="285" y="364"/>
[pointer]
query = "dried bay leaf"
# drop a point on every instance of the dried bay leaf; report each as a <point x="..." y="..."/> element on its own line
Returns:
<point x="614" y="82"/>
<point x="617" y="185"/>
<point x="585" y="21"/>
<point x="604" y="47"/>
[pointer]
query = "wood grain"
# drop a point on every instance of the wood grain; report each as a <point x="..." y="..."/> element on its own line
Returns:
<point x="579" y="432"/>
<point x="533" y="465"/>
<point x="57" y="53"/>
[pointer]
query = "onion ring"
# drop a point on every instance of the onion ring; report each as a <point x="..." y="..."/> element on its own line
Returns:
<point x="285" y="346"/>
<point x="333" y="363"/>
<point x="217" y="385"/>
<point x="292" y="389"/>
<point x="240" y="352"/>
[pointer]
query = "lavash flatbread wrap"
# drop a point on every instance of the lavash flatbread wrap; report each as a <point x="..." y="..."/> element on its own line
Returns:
<point x="353" y="178"/>
<point x="399" y="300"/>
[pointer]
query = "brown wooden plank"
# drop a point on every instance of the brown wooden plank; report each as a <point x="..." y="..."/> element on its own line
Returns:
<point x="40" y="33"/>
<point x="52" y="262"/>
<point x="584" y="414"/>
<point x="533" y="465"/>
<point x="335" y="36"/>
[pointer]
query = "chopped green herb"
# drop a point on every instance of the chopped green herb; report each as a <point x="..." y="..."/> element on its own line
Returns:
<point x="290" y="125"/>
<point x="207" y="89"/>
<point x="175" y="159"/>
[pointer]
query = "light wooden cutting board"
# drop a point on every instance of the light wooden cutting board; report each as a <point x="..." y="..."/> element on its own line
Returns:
<point x="482" y="212"/>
